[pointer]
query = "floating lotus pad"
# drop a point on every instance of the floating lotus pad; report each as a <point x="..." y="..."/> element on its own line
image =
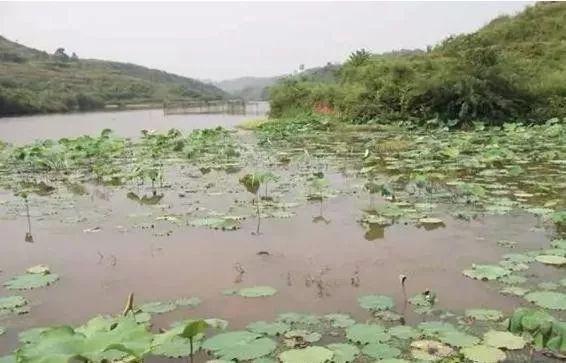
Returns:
<point x="483" y="354"/>
<point x="548" y="299"/>
<point x="188" y="301"/>
<point x="503" y="339"/>
<point x="551" y="259"/>
<point x="239" y="345"/>
<point x="486" y="272"/>
<point x="31" y="281"/>
<point x="12" y="302"/>
<point x="367" y="333"/>
<point x="404" y="332"/>
<point x="309" y="354"/>
<point x="257" y="291"/>
<point x="376" y="302"/>
<point x="343" y="352"/>
<point x="381" y="351"/>
<point x="340" y="320"/>
<point x="484" y="314"/>
<point x="158" y="307"/>
<point x="262" y="327"/>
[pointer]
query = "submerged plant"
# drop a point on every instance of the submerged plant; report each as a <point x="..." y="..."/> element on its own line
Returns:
<point x="25" y="197"/>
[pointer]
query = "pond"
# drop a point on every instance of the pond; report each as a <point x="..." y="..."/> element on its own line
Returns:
<point x="24" y="129"/>
<point x="168" y="217"/>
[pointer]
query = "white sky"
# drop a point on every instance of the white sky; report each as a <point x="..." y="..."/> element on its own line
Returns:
<point x="216" y="40"/>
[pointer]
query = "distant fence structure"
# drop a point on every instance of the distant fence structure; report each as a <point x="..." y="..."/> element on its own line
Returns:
<point x="231" y="107"/>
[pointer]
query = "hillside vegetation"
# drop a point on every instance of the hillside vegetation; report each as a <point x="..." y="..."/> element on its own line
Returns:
<point x="33" y="81"/>
<point x="512" y="69"/>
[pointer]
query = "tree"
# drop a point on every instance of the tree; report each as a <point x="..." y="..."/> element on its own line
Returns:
<point x="74" y="57"/>
<point x="359" y="57"/>
<point x="61" y="55"/>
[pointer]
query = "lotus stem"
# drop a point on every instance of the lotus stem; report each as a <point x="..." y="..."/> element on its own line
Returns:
<point x="129" y="304"/>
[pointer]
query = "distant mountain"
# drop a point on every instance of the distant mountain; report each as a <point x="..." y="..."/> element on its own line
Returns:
<point x="257" y="88"/>
<point x="34" y="81"/>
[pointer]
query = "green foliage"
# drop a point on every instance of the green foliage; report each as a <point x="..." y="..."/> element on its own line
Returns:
<point x="35" y="82"/>
<point x="493" y="75"/>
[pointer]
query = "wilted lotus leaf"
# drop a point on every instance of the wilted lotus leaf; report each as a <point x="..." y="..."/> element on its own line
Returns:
<point x="430" y="350"/>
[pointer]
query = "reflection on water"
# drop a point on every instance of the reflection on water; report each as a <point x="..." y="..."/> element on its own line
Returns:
<point x="374" y="232"/>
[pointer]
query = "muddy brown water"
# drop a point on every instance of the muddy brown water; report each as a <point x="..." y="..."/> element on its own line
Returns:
<point x="25" y="129"/>
<point x="99" y="270"/>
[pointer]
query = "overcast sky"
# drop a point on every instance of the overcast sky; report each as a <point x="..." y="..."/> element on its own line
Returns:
<point x="227" y="40"/>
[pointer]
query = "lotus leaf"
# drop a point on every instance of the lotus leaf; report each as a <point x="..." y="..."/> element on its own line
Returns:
<point x="262" y="327"/>
<point x="486" y="272"/>
<point x="551" y="259"/>
<point x="2" y="330"/>
<point x="340" y="320"/>
<point x="38" y="269"/>
<point x="484" y="314"/>
<point x="293" y="318"/>
<point x="381" y="351"/>
<point x="517" y="257"/>
<point x="404" y="332"/>
<point x="421" y="300"/>
<point x="190" y="301"/>
<point x="387" y="315"/>
<point x="559" y="243"/>
<point x="239" y="345"/>
<point x="142" y="318"/>
<point x="343" y="352"/>
<point x="259" y="360"/>
<point x="158" y="307"/>
<point x="12" y="302"/>
<point x="483" y="354"/>
<point x="8" y="359"/>
<point x="30" y="281"/>
<point x="514" y="290"/>
<point x="257" y="291"/>
<point x="503" y="339"/>
<point x="376" y="302"/>
<point x="303" y="336"/>
<point x="430" y="350"/>
<point x="367" y="333"/>
<point x="513" y="279"/>
<point x="458" y="339"/>
<point x="548" y="299"/>
<point x="171" y="345"/>
<point x="393" y="360"/>
<point x="433" y="328"/>
<point x="548" y="286"/>
<point x="430" y="220"/>
<point x="31" y="335"/>
<point x="309" y="354"/>
<point x="513" y="266"/>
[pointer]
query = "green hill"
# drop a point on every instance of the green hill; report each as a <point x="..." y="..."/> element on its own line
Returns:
<point x="32" y="81"/>
<point x="514" y="68"/>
